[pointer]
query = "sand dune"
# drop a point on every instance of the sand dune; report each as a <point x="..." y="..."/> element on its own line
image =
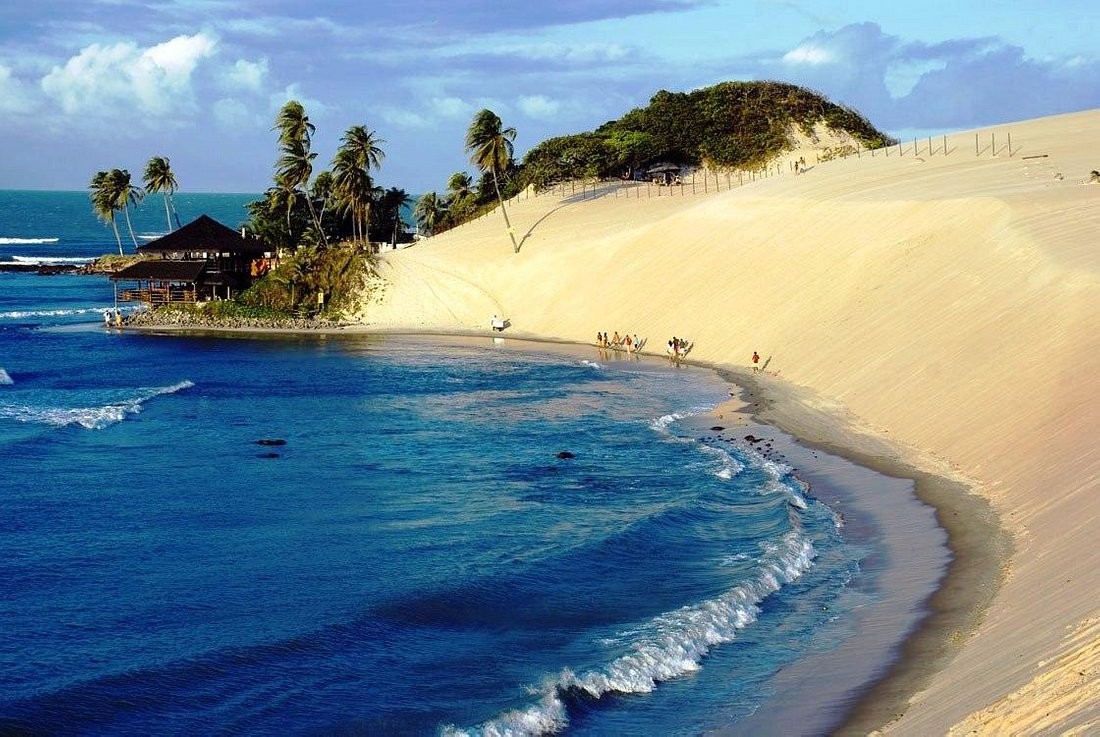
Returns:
<point x="948" y="303"/>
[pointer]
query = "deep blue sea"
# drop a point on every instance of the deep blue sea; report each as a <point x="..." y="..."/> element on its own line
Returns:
<point x="408" y="555"/>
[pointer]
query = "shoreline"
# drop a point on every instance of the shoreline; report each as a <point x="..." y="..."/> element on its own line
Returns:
<point x="979" y="546"/>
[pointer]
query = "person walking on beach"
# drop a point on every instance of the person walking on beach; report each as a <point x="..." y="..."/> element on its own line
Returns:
<point x="107" y="318"/>
<point x="755" y="361"/>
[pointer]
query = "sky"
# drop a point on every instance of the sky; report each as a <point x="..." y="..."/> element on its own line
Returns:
<point x="87" y="85"/>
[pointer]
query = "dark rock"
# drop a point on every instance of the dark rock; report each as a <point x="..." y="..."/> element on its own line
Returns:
<point x="753" y="439"/>
<point x="271" y="441"/>
<point x="566" y="454"/>
<point x="718" y="428"/>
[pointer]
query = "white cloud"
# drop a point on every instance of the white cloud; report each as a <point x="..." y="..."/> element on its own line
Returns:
<point x="404" y="118"/>
<point x="235" y="115"/>
<point x="812" y="55"/>
<point x="314" y="108"/>
<point x="451" y="107"/>
<point x="538" y="106"/>
<point x="121" y="77"/>
<point x="15" y="97"/>
<point x="245" y="75"/>
<point x="587" y="53"/>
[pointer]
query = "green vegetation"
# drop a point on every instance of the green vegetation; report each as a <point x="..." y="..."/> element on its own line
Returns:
<point x="322" y="228"/>
<point x="732" y="125"/>
<point x="312" y="281"/>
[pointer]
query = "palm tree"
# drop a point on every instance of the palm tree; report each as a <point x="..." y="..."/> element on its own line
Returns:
<point x="354" y="189"/>
<point x="363" y="144"/>
<point x="295" y="165"/>
<point x="322" y="190"/>
<point x="103" y="202"/>
<point x="490" y="148"/>
<point x="159" y="177"/>
<point x="459" y="184"/>
<point x="429" y="211"/>
<point x="293" y="124"/>
<point x="390" y="203"/>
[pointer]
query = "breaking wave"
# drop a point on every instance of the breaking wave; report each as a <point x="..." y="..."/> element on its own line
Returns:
<point x="26" y="241"/>
<point x="90" y="418"/>
<point x="24" y="314"/>
<point x="5" y="378"/>
<point x="51" y="260"/>
<point x="669" y="646"/>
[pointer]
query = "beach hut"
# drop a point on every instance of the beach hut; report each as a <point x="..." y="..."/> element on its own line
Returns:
<point x="201" y="261"/>
<point x="664" y="173"/>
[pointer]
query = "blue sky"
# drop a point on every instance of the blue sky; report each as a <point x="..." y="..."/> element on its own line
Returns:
<point x="92" y="84"/>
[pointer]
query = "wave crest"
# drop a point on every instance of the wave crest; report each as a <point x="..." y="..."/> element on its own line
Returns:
<point x="5" y="378"/>
<point x="90" y="418"/>
<point x="669" y="646"/>
<point x="26" y="241"/>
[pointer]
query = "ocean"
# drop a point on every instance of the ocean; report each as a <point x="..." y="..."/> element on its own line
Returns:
<point x="385" y="534"/>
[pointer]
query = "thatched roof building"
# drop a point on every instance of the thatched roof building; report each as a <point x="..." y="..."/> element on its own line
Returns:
<point x="202" y="260"/>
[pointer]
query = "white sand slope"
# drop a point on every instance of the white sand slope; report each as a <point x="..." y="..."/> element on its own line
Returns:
<point x="951" y="303"/>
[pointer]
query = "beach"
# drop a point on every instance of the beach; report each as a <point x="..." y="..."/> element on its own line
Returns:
<point x="938" y="308"/>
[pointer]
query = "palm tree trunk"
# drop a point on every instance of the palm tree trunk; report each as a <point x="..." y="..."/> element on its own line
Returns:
<point x="118" y="238"/>
<point x="316" y="221"/>
<point x="167" y="213"/>
<point x="130" y="226"/>
<point x="504" y="212"/>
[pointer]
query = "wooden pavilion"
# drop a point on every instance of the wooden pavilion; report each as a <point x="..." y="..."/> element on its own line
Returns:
<point x="201" y="261"/>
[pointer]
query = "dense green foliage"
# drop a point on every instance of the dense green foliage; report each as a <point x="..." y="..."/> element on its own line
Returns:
<point x="730" y="125"/>
<point x="292" y="288"/>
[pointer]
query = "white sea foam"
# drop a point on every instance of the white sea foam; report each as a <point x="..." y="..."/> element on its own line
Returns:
<point x="5" y="378"/>
<point x="26" y="241"/>
<point x="592" y="364"/>
<point x="91" y="418"/>
<point x="669" y="646"/>
<point x="51" y="260"/>
<point x="23" y="314"/>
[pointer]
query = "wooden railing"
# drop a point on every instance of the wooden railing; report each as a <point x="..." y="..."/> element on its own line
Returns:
<point x="157" y="297"/>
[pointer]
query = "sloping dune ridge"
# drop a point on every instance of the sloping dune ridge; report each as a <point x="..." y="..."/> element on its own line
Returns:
<point x="947" y="305"/>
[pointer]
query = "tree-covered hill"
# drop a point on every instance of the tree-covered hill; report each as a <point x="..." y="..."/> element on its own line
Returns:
<point x="730" y="125"/>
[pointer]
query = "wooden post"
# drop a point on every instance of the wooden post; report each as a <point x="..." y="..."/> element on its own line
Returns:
<point x="976" y="153"/>
<point x="993" y="141"/>
<point x="929" y="145"/>
<point x="945" y="145"/>
<point x="1010" y="144"/>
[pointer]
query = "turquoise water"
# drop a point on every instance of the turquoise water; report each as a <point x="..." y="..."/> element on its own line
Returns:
<point x="406" y="553"/>
<point x="59" y="227"/>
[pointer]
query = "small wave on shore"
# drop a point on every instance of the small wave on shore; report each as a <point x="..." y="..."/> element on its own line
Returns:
<point x="23" y="314"/>
<point x="95" y="417"/>
<point x="669" y="646"/>
<point x="26" y="241"/>
<point x="5" y="378"/>
<point x="51" y="260"/>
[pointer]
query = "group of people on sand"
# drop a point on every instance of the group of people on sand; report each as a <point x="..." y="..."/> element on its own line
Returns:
<point x="629" y="343"/>
<point x="678" y="347"/>
<point x="112" y="317"/>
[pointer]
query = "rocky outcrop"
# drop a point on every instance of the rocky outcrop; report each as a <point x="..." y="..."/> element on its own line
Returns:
<point x="199" y="321"/>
